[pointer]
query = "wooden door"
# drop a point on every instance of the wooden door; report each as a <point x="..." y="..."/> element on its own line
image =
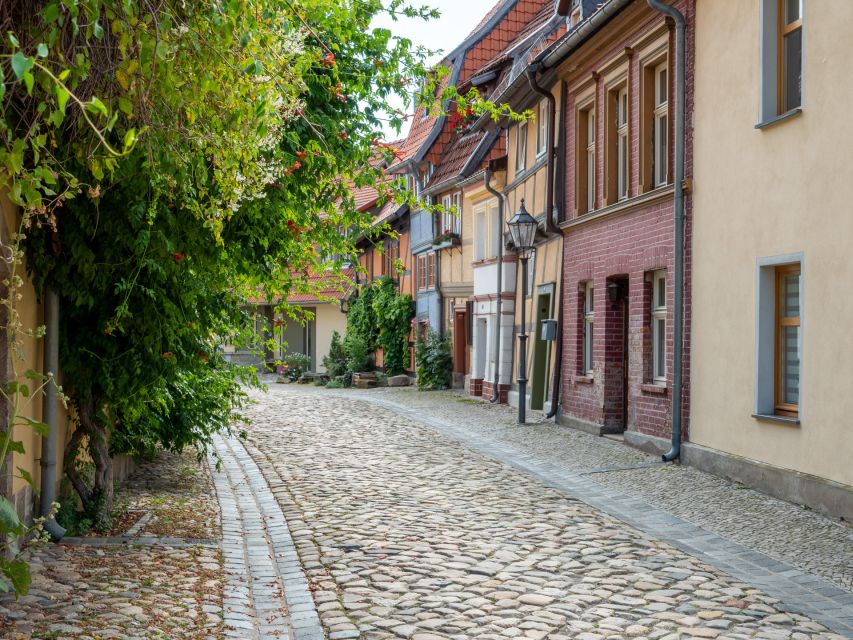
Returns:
<point x="460" y="342"/>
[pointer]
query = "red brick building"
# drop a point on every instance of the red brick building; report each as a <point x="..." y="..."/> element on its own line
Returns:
<point x="619" y="224"/>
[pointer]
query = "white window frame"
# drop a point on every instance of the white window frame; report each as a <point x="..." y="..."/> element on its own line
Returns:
<point x="542" y="128"/>
<point x="660" y="140"/>
<point x="659" y="351"/>
<point x="588" y="364"/>
<point x="622" y="149"/>
<point x="520" y="147"/>
<point x="495" y="231"/>
<point x="575" y="18"/>
<point x="481" y="231"/>
<point x="590" y="159"/>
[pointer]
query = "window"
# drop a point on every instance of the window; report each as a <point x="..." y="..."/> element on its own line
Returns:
<point x="496" y="231"/>
<point x="480" y="231"/>
<point x="451" y="217"/>
<point x="520" y="147"/>
<point x="787" y="340"/>
<point x="790" y="45"/>
<point x="422" y="272"/>
<point x="588" y="317"/>
<point x="542" y="128"/>
<point x="586" y="160"/>
<point x="390" y="255"/>
<point x="779" y="339"/>
<point x="781" y="57"/>
<point x="622" y="143"/>
<point x="430" y="271"/>
<point x="660" y="149"/>
<point x="658" y="321"/>
<point x="575" y="17"/>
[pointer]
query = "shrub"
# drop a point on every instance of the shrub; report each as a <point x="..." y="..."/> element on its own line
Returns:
<point x="357" y="351"/>
<point x="295" y="364"/>
<point x="434" y="362"/>
<point x="335" y="384"/>
<point x="336" y="361"/>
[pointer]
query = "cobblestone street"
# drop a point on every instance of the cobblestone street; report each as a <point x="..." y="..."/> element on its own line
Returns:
<point x="405" y="531"/>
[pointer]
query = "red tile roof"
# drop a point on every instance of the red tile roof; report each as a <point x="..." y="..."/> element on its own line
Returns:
<point x="320" y="288"/>
<point x="454" y="157"/>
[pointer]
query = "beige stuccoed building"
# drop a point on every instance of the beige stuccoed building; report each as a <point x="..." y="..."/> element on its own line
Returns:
<point x="772" y="348"/>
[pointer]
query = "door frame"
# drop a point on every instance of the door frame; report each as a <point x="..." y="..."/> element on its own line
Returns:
<point x="541" y="348"/>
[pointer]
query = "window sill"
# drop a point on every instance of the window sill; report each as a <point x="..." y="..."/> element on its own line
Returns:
<point x="656" y="389"/>
<point x="578" y="379"/>
<point x="781" y="117"/>
<point x="772" y="417"/>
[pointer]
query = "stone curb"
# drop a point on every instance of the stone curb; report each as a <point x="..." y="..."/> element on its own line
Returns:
<point x="263" y="574"/>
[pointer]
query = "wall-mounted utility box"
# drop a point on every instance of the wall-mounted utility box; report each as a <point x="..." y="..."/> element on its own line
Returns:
<point x="549" y="330"/>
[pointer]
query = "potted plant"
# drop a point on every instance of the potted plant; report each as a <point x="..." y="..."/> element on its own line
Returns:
<point x="447" y="237"/>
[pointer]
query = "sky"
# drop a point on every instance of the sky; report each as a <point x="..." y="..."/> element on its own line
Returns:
<point x="458" y="19"/>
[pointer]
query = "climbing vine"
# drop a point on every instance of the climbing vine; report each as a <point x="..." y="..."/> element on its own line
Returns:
<point x="393" y="313"/>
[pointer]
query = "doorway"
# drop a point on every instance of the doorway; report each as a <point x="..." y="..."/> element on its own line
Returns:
<point x="541" y="348"/>
<point x="298" y="336"/>
<point x="460" y="346"/>
<point x="616" y="356"/>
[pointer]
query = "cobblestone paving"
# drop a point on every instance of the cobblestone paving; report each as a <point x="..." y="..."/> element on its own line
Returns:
<point x="406" y="533"/>
<point x="782" y="530"/>
<point x="142" y="582"/>
<point x="170" y="496"/>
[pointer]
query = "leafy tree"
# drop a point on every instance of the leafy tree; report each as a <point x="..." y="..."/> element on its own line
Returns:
<point x="173" y="160"/>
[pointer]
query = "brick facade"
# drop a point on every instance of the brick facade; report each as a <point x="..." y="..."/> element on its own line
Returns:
<point x="620" y="245"/>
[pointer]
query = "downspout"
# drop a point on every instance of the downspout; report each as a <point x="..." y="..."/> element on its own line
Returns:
<point x="558" y="365"/>
<point x="678" y="324"/>
<point x="487" y="177"/>
<point x="49" y="443"/>
<point x="532" y="70"/>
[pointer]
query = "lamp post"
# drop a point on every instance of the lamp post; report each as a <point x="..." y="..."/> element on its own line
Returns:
<point x="522" y="228"/>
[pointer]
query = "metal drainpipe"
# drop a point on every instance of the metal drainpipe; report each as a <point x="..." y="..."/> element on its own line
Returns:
<point x="487" y="176"/>
<point x="549" y="218"/>
<point x="558" y="365"/>
<point x="678" y="325"/>
<point x="49" y="443"/>
<point x="532" y="70"/>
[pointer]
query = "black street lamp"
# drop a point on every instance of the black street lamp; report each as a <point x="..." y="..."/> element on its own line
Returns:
<point x="522" y="228"/>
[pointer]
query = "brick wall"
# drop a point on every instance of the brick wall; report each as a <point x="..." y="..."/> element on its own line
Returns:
<point x="623" y="247"/>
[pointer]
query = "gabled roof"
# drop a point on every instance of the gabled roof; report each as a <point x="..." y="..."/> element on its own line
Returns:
<point x="455" y="157"/>
<point x="502" y="24"/>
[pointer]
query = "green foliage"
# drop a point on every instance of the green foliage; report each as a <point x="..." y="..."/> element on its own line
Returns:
<point x="172" y="161"/>
<point x="296" y="363"/>
<point x="393" y="314"/>
<point x="358" y="352"/>
<point x="434" y="362"/>
<point x="71" y="519"/>
<point x="335" y="383"/>
<point x="336" y="360"/>
<point x="362" y="321"/>
<point x="379" y="317"/>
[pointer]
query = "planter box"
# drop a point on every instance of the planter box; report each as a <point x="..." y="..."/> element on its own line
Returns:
<point x="450" y="242"/>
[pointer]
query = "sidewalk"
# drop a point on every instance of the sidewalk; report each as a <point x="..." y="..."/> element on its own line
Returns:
<point x="156" y="576"/>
